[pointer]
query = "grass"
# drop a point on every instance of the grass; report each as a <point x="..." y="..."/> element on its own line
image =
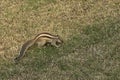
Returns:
<point x="90" y="30"/>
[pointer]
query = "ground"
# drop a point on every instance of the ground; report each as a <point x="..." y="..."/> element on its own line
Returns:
<point x="90" y="30"/>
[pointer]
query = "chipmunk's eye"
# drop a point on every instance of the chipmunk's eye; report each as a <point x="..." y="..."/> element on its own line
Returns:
<point x="58" y="43"/>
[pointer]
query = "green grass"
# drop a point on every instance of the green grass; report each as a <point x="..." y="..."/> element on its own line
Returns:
<point x="94" y="54"/>
<point x="91" y="34"/>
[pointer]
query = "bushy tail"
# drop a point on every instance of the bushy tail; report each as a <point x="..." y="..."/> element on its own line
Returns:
<point x="24" y="49"/>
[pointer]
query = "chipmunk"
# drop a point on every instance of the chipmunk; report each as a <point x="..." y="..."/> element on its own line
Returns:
<point x="41" y="39"/>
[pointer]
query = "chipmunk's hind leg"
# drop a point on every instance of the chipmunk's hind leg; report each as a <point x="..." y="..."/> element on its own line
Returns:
<point x="41" y="44"/>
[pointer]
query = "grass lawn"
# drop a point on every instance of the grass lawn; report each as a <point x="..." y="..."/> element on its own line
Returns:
<point x="90" y="30"/>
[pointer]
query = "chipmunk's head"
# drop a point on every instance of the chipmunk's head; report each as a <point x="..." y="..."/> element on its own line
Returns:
<point x="59" y="40"/>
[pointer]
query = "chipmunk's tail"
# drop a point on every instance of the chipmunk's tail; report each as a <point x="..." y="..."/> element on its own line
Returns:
<point x="25" y="46"/>
<point x="24" y="49"/>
